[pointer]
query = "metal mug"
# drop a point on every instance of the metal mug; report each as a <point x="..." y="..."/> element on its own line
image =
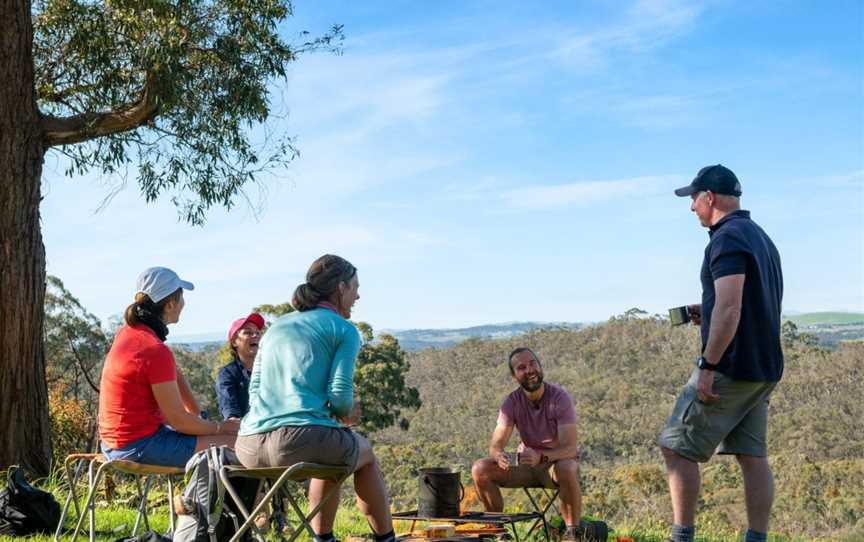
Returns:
<point x="679" y="315"/>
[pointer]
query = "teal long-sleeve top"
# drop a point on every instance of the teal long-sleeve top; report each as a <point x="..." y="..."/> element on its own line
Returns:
<point x="303" y="373"/>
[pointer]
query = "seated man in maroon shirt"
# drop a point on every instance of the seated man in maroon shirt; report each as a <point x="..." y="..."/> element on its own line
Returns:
<point x="548" y="455"/>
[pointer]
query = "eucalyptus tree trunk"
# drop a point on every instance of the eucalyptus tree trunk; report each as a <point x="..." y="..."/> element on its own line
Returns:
<point x="25" y="436"/>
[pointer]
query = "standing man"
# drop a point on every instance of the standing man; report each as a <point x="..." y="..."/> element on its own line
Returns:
<point x="725" y="402"/>
<point x="232" y="385"/>
<point x="548" y="455"/>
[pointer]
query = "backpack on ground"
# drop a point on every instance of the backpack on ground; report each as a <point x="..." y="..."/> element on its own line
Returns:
<point x="25" y="510"/>
<point x="211" y="514"/>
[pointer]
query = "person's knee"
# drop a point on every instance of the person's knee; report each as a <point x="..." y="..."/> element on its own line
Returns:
<point x="668" y="453"/>
<point x="481" y="470"/>
<point x="365" y="455"/>
<point x="752" y="461"/>
<point x="567" y="471"/>
<point x="672" y="457"/>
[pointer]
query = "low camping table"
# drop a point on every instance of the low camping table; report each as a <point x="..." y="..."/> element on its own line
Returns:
<point x="491" y="518"/>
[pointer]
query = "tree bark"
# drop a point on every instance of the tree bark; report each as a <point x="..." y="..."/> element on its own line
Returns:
<point x="25" y="436"/>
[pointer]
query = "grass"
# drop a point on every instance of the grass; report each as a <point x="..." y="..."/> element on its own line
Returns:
<point x="115" y="522"/>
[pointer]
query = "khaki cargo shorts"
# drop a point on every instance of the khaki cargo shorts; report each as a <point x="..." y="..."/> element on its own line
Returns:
<point x="542" y="475"/>
<point x="736" y="424"/>
<point x="525" y="476"/>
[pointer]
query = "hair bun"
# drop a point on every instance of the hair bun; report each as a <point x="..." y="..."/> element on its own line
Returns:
<point x="305" y="297"/>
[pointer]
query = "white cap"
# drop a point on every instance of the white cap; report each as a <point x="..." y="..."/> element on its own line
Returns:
<point x="160" y="282"/>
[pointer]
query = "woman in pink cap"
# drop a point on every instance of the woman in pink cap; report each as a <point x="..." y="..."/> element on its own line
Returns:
<point x="232" y="385"/>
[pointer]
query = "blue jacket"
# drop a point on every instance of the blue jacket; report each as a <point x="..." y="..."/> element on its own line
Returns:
<point x="232" y="390"/>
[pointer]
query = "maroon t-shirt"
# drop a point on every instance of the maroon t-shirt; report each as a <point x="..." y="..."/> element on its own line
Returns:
<point x="538" y="424"/>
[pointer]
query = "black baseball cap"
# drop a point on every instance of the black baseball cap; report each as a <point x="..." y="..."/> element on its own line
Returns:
<point x="718" y="179"/>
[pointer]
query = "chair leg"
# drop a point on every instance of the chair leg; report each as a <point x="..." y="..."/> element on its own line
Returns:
<point x="248" y="519"/>
<point x="91" y="510"/>
<point x="306" y="519"/>
<point x="89" y="505"/>
<point x="542" y="510"/>
<point x="142" y="503"/>
<point x="172" y="514"/>
<point x="72" y="497"/>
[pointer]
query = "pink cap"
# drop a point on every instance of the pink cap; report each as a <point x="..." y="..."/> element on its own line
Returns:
<point x="256" y="319"/>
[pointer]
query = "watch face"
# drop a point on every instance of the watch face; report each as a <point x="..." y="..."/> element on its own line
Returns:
<point x="702" y="363"/>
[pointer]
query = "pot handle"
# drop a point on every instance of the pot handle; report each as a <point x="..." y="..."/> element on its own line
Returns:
<point x="429" y="486"/>
<point x="432" y="488"/>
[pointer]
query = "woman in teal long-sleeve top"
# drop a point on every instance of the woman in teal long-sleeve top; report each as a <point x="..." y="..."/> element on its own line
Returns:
<point x="301" y="400"/>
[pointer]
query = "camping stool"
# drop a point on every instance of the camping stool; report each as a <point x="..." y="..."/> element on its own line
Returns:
<point x="137" y="470"/>
<point x="298" y="472"/>
<point x="81" y="459"/>
<point x="549" y="493"/>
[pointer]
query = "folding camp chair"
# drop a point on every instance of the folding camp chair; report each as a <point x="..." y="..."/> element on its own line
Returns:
<point x="279" y="476"/>
<point x="549" y="493"/>
<point x="138" y="470"/>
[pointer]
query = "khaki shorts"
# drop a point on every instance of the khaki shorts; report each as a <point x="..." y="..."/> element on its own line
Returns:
<point x="292" y="444"/>
<point x="736" y="424"/>
<point x="525" y="476"/>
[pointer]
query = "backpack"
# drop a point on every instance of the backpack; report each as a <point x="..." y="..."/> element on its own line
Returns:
<point x="25" y="510"/>
<point x="212" y="515"/>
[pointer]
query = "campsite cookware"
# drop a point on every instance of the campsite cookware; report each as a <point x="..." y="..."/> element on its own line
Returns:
<point x="440" y="493"/>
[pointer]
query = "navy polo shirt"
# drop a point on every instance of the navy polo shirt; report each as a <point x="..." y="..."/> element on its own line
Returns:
<point x="739" y="246"/>
<point x="232" y="390"/>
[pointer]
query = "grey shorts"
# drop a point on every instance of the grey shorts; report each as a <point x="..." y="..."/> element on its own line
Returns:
<point x="292" y="444"/>
<point x="736" y="424"/>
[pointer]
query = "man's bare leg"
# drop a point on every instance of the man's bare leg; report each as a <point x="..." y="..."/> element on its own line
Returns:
<point x="487" y="475"/>
<point x="684" y="482"/>
<point x="567" y="477"/>
<point x="758" y="490"/>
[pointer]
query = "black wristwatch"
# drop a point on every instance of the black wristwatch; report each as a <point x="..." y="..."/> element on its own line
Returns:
<point x="703" y="364"/>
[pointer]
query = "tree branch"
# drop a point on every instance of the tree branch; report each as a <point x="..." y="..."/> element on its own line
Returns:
<point x="81" y="364"/>
<point x="86" y="126"/>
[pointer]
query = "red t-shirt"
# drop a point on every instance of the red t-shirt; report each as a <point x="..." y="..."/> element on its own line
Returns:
<point x="127" y="407"/>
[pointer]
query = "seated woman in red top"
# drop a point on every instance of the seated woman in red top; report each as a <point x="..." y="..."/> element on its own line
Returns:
<point x="147" y="412"/>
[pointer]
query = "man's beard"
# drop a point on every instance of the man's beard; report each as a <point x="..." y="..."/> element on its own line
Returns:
<point x="530" y="386"/>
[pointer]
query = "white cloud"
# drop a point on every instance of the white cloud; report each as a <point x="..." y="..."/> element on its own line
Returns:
<point x="647" y="25"/>
<point x="583" y="193"/>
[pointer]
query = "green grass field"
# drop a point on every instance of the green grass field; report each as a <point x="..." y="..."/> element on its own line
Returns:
<point x="114" y="522"/>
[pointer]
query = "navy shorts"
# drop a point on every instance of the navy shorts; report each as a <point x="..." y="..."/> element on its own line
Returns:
<point x="165" y="447"/>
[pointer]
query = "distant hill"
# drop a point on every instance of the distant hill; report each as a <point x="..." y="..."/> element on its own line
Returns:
<point x="826" y="318"/>
<point x="831" y="328"/>
<point x="412" y="340"/>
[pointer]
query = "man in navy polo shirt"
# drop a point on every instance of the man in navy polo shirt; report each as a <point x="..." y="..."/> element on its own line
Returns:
<point x="724" y="406"/>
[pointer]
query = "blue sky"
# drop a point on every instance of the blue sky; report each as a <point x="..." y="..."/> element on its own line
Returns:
<point x="487" y="162"/>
